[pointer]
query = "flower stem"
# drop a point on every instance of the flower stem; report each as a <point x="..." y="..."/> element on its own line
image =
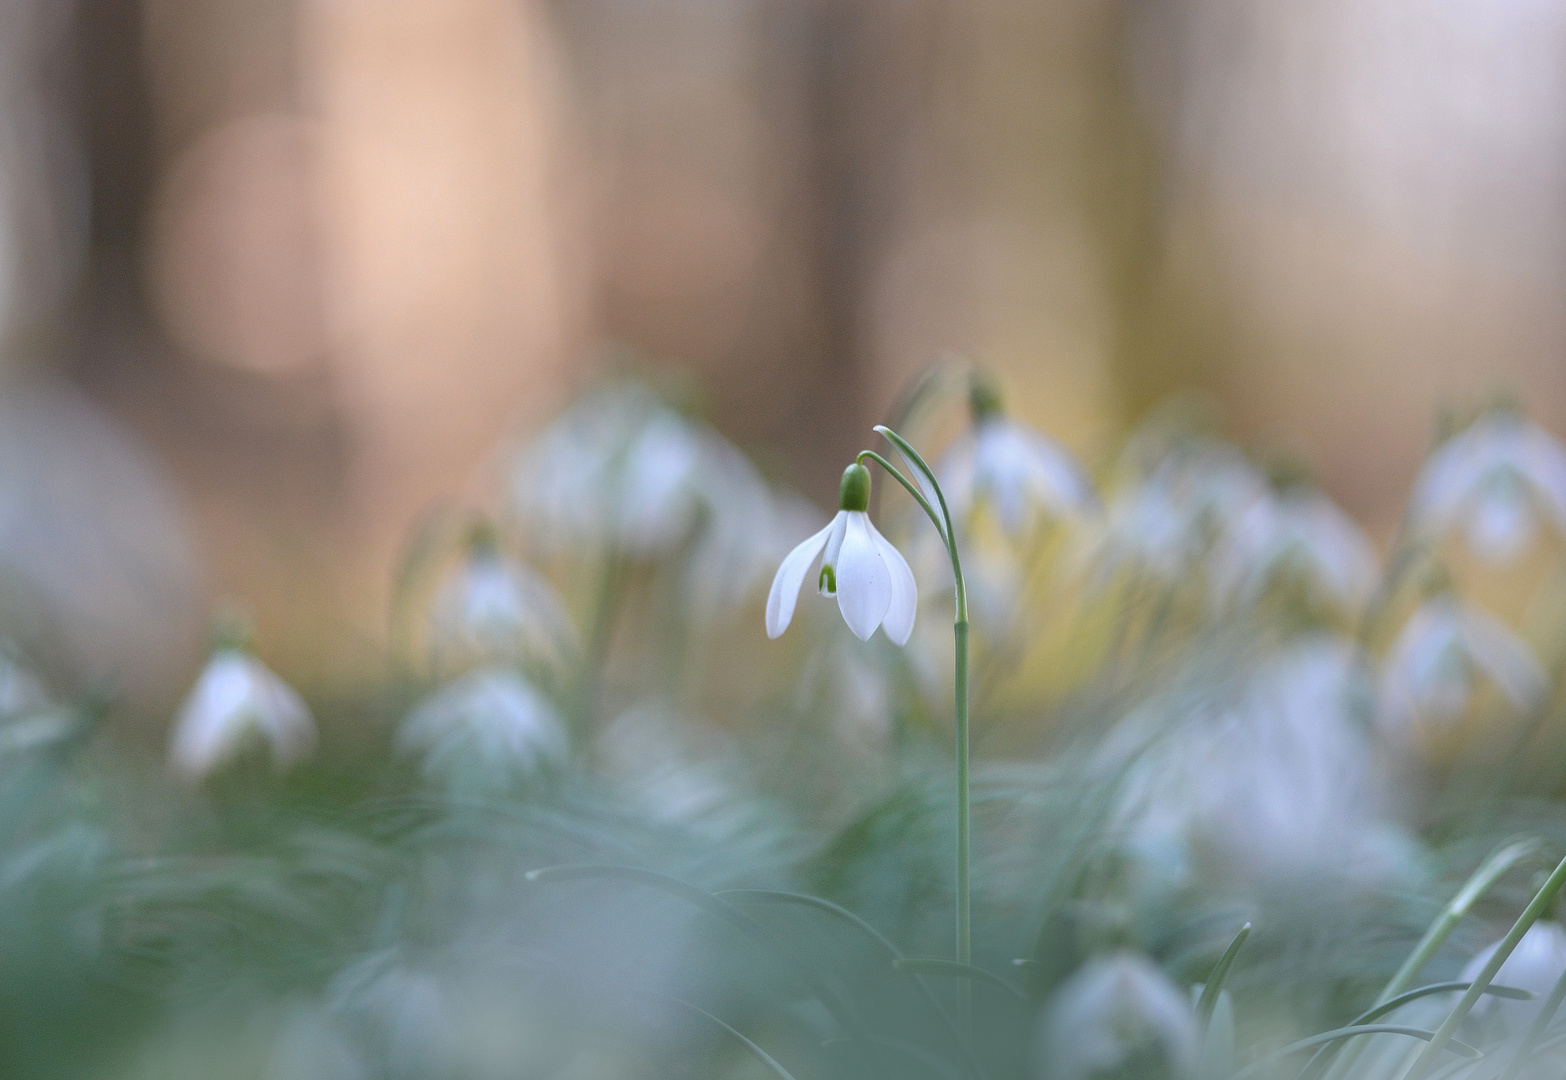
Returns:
<point x="964" y="891"/>
<point x="942" y="521"/>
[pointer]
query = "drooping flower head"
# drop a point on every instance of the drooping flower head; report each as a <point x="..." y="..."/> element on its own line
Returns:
<point x="1493" y="480"/>
<point x="1295" y="531"/>
<point x="1433" y="669"/>
<point x="1015" y="472"/>
<point x="1117" y="1015"/>
<point x="868" y="576"/>
<point x="238" y="702"/>
<point x="493" y="609"/>
<point x="625" y="472"/>
<point x="490" y="719"/>
<point x="1172" y="507"/>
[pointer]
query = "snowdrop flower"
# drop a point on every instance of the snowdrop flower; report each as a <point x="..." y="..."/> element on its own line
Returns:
<point x="20" y="690"/>
<point x="1274" y="771"/>
<point x="1013" y="470"/>
<point x="1164" y="523"/>
<point x="311" y="1045"/>
<point x="870" y="578"/>
<point x="236" y="701"/>
<point x="493" y="716"/>
<point x="1535" y="964"/>
<point x="30" y="718"/>
<point x="493" y="608"/>
<point x="1492" y="479"/>
<point x="1428" y="676"/>
<point x="1117" y="1014"/>
<point x="1297" y="529"/>
<point x="622" y="468"/>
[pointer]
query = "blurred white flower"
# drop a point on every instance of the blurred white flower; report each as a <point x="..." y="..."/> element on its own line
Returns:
<point x="1166" y="522"/>
<point x="30" y="718"/>
<point x="1274" y="771"/>
<point x="1118" y="1013"/>
<point x="622" y="468"/>
<point x="237" y="701"/>
<point x="1429" y="676"/>
<point x="1016" y="472"/>
<point x="859" y="566"/>
<point x="492" y="716"/>
<point x="311" y="1045"/>
<point x="1297" y="530"/>
<point x="493" y="608"/>
<point x="1492" y="479"/>
<point x="681" y="771"/>
<point x="407" y="1012"/>
<point x="1535" y="964"/>
<point x="21" y="692"/>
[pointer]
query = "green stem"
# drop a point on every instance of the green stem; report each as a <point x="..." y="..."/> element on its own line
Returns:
<point x="943" y="525"/>
<point x="605" y="607"/>
<point x="964" y="857"/>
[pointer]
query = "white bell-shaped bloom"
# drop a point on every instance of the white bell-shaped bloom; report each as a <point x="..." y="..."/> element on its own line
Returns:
<point x="1430" y="674"/>
<point x="1535" y="964"/>
<point x="30" y="718"/>
<point x="1019" y="474"/>
<point x="236" y="701"/>
<point x="1493" y="479"/>
<point x="312" y="1045"/>
<point x="492" y="716"/>
<point x="1117" y="1012"/>
<point x="1270" y="772"/>
<point x="21" y="692"/>
<point x="870" y="578"/>
<point x="1299" y="531"/>
<point x="493" y="608"/>
<point x="621" y="467"/>
<point x="1166" y="521"/>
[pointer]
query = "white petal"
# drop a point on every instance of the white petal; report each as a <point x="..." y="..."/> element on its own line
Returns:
<point x="790" y="576"/>
<point x="899" y="621"/>
<point x="1543" y="461"/>
<point x="285" y="719"/>
<point x="1500" y="521"/>
<point x="864" y="586"/>
<point x="827" y="586"/>
<point x="1505" y="657"/>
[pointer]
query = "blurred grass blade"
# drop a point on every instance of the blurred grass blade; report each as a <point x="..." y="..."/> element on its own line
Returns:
<point x="1209" y="999"/>
<point x="1492" y="870"/>
<point x="892" y="952"/>
<point x="914" y="1053"/>
<point x="1536" y="1029"/>
<point x="760" y="1055"/>
<point x="808" y="980"/>
<point x="934" y="965"/>
<point x="1324" y="1056"/>
<point x="1459" y="1013"/>
<point x="1461" y="1049"/>
<point x="1511" y="993"/>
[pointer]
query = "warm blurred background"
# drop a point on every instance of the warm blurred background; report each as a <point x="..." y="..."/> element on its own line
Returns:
<point x="277" y="276"/>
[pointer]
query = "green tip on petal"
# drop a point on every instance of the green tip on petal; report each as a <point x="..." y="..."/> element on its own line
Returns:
<point x="854" y="492"/>
<point x="483" y="537"/>
<point x="231" y="631"/>
<point x="984" y="397"/>
<point x="826" y="581"/>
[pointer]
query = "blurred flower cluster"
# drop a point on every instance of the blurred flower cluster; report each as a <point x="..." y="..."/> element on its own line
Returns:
<point x="606" y="818"/>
